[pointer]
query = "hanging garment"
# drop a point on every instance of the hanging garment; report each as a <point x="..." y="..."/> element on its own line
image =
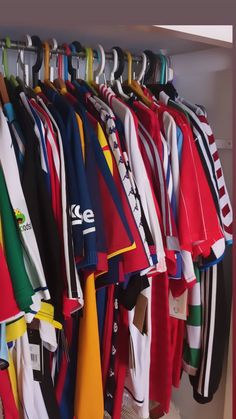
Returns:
<point x="89" y="361"/>
<point x="9" y="166"/>
<point x="214" y="331"/>
<point x="74" y="290"/>
<point x="8" y="307"/>
<point x="23" y="291"/>
<point x="193" y="344"/>
<point x="137" y="167"/>
<point x="107" y="118"/>
<point x="41" y="212"/>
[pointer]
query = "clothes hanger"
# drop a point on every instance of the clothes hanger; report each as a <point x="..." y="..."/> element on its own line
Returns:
<point x="121" y="63"/>
<point x="166" y="70"/>
<point x="143" y="68"/>
<point x="133" y="85"/>
<point x="170" y="69"/>
<point x="79" y="48"/>
<point x="47" y="68"/>
<point x="52" y="45"/>
<point x="59" y="83"/>
<point x="167" y="86"/>
<point x="118" y="74"/>
<point x="5" y="58"/>
<point x="115" y="66"/>
<point x="78" y="81"/>
<point x="151" y="67"/>
<point x="36" y="42"/>
<point x="89" y="65"/>
<point x="9" y="77"/>
<point x="100" y="68"/>
<point x="102" y="62"/>
<point x="162" y="60"/>
<point x="24" y="67"/>
<point x="46" y="61"/>
<point x="75" y="46"/>
<point x="66" y="55"/>
<point x="89" y="72"/>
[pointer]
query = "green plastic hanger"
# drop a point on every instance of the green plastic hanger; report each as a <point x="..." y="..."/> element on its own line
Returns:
<point x="5" y="58"/>
<point x="163" y="68"/>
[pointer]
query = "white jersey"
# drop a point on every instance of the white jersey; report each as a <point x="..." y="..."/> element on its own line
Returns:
<point x="16" y="195"/>
<point x="139" y="172"/>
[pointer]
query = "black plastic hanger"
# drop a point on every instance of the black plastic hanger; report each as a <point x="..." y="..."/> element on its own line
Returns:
<point x="121" y="62"/>
<point x="150" y="71"/>
<point x="77" y="47"/>
<point x="36" y="42"/>
<point x="154" y="87"/>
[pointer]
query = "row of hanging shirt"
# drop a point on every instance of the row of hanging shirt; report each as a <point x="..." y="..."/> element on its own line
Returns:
<point x="115" y="218"/>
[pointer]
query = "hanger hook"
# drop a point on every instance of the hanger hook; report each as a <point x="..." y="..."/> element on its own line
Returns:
<point x="46" y="60"/>
<point x="89" y="64"/>
<point x="4" y="56"/>
<point x="150" y="69"/>
<point x="121" y="62"/>
<point x="143" y="68"/>
<point x="53" y="45"/>
<point x="115" y="65"/>
<point x="75" y="46"/>
<point x="67" y="53"/>
<point x="36" y="41"/>
<point x="130" y="64"/>
<point x="102" y="62"/>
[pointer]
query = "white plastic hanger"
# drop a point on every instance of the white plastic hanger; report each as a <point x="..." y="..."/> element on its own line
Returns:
<point x="119" y="88"/>
<point x="102" y="62"/>
<point x="115" y="66"/>
<point x="53" y="46"/>
<point x="21" y="60"/>
<point x="171" y="71"/>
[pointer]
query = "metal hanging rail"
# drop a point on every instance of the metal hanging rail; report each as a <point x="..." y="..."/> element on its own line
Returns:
<point x="15" y="45"/>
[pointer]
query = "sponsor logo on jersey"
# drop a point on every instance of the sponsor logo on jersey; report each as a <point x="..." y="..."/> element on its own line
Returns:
<point x="21" y="220"/>
<point x="79" y="218"/>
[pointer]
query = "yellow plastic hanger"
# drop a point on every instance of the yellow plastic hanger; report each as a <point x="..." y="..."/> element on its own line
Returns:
<point x="48" y="46"/>
<point x="46" y="60"/>
<point x="134" y="84"/>
<point x="89" y="71"/>
<point x="89" y="65"/>
<point x="46" y="56"/>
<point x="130" y="64"/>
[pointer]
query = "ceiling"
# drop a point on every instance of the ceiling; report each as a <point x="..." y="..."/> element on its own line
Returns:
<point x="133" y="37"/>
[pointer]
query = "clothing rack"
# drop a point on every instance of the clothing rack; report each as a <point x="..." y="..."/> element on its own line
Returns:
<point x="17" y="45"/>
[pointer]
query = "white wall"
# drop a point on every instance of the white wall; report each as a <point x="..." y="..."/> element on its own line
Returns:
<point x="206" y="78"/>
